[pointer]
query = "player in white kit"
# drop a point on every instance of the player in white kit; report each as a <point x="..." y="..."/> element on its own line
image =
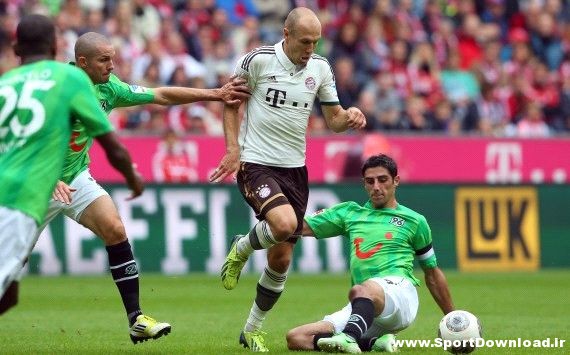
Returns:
<point x="285" y="79"/>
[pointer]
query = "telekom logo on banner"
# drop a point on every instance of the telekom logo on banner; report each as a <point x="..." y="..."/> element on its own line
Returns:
<point x="503" y="162"/>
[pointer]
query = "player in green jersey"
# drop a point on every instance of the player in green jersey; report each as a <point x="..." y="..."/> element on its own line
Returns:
<point x="78" y="195"/>
<point x="384" y="237"/>
<point x="39" y="102"/>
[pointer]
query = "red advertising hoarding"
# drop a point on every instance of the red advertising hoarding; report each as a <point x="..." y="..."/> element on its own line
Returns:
<point x="336" y="158"/>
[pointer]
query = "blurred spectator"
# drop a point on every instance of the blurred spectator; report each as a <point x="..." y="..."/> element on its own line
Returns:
<point x="242" y="37"/>
<point x="458" y="84"/>
<point x="491" y="113"/>
<point x="489" y="69"/>
<point x="532" y="124"/>
<point x="145" y="20"/>
<point x="495" y="12"/>
<point x="444" y="41"/>
<point x="94" y="22"/>
<point x="415" y="118"/>
<point x="406" y="17"/>
<point x="347" y="45"/>
<point x="424" y="74"/>
<point x="545" y="42"/>
<point x="398" y="66"/>
<point x="544" y="90"/>
<point x="347" y="81"/>
<point x="375" y="50"/>
<point x="272" y="14"/>
<point x="219" y="62"/>
<point x="237" y="10"/>
<point x="385" y="94"/>
<point x="442" y="118"/>
<point x="175" y="160"/>
<point x="366" y="103"/>
<point x="71" y="15"/>
<point x="432" y="18"/>
<point x="468" y="44"/>
<point x="177" y="55"/>
<point x="191" y="18"/>
<point x="151" y="76"/>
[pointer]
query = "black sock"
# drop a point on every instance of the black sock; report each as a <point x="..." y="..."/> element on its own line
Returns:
<point x="361" y="318"/>
<point x="320" y="336"/>
<point x="126" y="276"/>
<point x="365" y="344"/>
<point x="266" y="298"/>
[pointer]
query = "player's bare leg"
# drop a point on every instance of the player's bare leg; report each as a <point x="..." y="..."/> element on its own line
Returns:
<point x="305" y="337"/>
<point x="103" y="219"/>
<point x="280" y="223"/>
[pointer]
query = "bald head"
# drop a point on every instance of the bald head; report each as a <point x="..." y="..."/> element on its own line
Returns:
<point x="301" y="34"/>
<point x="94" y="54"/>
<point x="301" y="17"/>
<point x="88" y="45"/>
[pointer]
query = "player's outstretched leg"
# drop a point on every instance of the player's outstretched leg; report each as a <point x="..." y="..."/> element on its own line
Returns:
<point x="340" y="343"/>
<point x="233" y="265"/>
<point x="253" y="340"/>
<point x="145" y="328"/>
<point x="386" y="343"/>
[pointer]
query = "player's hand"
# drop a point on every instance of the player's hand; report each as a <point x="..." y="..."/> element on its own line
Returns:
<point x="136" y="184"/>
<point x="355" y="119"/>
<point x="235" y="91"/>
<point x="228" y="165"/>
<point x="62" y="192"/>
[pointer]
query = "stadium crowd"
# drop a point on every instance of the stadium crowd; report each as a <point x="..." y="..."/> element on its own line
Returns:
<point x="483" y="67"/>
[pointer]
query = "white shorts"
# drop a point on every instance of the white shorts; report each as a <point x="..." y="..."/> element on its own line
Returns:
<point x="87" y="191"/>
<point x="17" y="238"/>
<point x="402" y="295"/>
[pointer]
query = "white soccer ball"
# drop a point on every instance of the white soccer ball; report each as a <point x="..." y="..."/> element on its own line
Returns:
<point x="459" y="331"/>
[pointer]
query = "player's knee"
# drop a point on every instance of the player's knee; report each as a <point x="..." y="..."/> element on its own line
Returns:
<point x="284" y="228"/>
<point x="358" y="291"/>
<point x="294" y="339"/>
<point x="114" y="233"/>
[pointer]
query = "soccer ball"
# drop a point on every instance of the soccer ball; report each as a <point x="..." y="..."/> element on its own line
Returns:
<point x="456" y="329"/>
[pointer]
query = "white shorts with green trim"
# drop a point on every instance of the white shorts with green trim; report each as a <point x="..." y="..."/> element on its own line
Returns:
<point x="17" y="238"/>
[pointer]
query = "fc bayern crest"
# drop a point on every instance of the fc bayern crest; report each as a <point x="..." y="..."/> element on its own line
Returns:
<point x="263" y="191"/>
<point x="310" y="83"/>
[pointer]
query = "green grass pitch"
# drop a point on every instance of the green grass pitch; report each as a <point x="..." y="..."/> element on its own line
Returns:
<point x="84" y="315"/>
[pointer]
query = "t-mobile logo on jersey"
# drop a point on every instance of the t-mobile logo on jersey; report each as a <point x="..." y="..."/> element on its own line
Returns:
<point x="276" y="98"/>
<point x="503" y="162"/>
<point x="273" y="97"/>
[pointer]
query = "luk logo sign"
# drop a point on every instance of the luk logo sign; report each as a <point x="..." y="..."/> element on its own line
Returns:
<point x="497" y="228"/>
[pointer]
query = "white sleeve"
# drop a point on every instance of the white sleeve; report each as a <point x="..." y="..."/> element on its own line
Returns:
<point x="327" y="91"/>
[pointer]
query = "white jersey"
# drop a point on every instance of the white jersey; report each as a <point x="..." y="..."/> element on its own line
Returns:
<point x="276" y="116"/>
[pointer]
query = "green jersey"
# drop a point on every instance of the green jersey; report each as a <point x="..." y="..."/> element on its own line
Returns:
<point x="383" y="242"/>
<point x="112" y="94"/>
<point x="38" y="104"/>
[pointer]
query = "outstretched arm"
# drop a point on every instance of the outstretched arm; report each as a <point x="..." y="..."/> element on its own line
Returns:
<point x="231" y="93"/>
<point x="339" y="119"/>
<point x="437" y="285"/>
